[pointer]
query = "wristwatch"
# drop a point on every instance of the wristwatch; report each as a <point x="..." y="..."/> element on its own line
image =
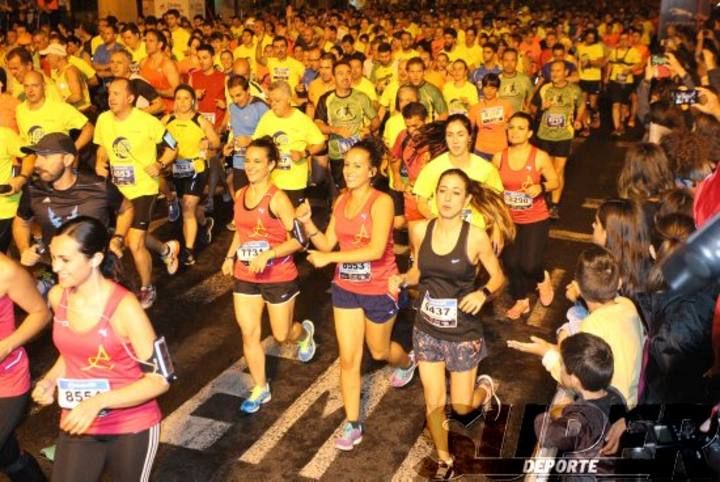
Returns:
<point x="486" y="292"/>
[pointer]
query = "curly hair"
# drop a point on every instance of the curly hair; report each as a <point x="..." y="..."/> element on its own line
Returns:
<point x="645" y="173"/>
<point x="688" y="154"/>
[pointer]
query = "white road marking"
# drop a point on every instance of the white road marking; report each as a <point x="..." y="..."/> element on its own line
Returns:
<point x="325" y="383"/>
<point x="422" y="448"/>
<point x="374" y="389"/>
<point x="182" y="429"/>
<point x="539" y="312"/>
<point x="570" y="236"/>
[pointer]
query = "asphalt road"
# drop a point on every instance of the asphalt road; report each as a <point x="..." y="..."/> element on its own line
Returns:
<point x="206" y="438"/>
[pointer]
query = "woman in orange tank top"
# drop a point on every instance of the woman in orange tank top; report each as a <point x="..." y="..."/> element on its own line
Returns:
<point x="363" y="308"/>
<point x="160" y="72"/>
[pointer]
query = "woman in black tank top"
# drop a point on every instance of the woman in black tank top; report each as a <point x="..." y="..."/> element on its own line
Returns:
<point x="448" y="330"/>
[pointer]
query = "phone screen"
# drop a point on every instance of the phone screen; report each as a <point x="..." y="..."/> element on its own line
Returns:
<point x="685" y="97"/>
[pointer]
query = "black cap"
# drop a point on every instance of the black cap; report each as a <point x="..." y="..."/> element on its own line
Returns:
<point x="54" y="143"/>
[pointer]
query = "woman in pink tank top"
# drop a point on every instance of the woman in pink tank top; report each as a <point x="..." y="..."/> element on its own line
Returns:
<point x="17" y="288"/>
<point x="110" y="368"/>
<point x="527" y="175"/>
<point x="363" y="308"/>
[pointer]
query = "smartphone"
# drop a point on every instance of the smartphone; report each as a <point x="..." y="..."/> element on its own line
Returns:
<point x="685" y="97"/>
<point x="658" y="60"/>
<point x="5" y="188"/>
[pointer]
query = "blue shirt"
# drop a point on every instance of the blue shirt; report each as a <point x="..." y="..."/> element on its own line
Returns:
<point x="243" y="121"/>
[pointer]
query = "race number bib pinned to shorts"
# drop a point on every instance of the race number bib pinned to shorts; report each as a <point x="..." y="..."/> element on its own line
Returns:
<point x="492" y="115"/>
<point x="250" y="249"/>
<point x="622" y="78"/>
<point x="123" y="175"/>
<point x="357" y="272"/>
<point x="441" y="312"/>
<point x="285" y="161"/>
<point x="72" y="392"/>
<point x="517" y="200"/>
<point x="555" y="120"/>
<point x="183" y="168"/>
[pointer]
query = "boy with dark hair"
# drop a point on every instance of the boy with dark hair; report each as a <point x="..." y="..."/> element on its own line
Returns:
<point x="580" y="427"/>
<point x="611" y="317"/>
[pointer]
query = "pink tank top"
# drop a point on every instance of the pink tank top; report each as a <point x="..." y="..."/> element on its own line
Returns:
<point x="523" y="209"/>
<point x="369" y="278"/>
<point x="258" y="231"/>
<point x="100" y="353"/>
<point x="14" y="369"/>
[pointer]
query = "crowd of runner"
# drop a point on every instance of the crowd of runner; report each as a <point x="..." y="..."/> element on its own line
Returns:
<point x="447" y="130"/>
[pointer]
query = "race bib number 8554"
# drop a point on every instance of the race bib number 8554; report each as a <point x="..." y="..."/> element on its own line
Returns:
<point x="72" y="392"/>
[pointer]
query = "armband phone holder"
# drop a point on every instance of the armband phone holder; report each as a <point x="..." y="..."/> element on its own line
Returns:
<point x="298" y="232"/>
<point x="160" y="362"/>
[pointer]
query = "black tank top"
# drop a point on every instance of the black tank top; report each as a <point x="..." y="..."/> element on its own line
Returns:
<point x="444" y="282"/>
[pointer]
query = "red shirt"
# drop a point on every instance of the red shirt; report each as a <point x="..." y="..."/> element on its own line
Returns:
<point x="523" y="209"/>
<point x="369" y="278"/>
<point x="100" y="353"/>
<point x="14" y="369"/>
<point x="214" y="87"/>
<point x="259" y="230"/>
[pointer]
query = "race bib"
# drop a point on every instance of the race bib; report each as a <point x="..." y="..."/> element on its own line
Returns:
<point x="123" y="175"/>
<point x="491" y="115"/>
<point x="517" y="200"/>
<point x="250" y="249"/>
<point x="622" y="78"/>
<point x="285" y="161"/>
<point x="555" y="120"/>
<point x="183" y="168"/>
<point x="355" y="271"/>
<point x="72" y="392"/>
<point x="210" y="116"/>
<point x="441" y="312"/>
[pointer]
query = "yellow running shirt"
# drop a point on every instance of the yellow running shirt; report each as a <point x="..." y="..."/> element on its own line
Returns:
<point x="9" y="149"/>
<point x="52" y="116"/>
<point x="131" y="146"/>
<point x="293" y="133"/>
<point x="480" y="170"/>
<point x="189" y="136"/>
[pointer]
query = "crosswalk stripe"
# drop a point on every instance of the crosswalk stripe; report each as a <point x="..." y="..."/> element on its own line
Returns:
<point x="325" y="383"/>
<point x="539" y="312"/>
<point x="374" y="387"/>
<point x="565" y="235"/>
<point x="422" y="448"/>
<point x="183" y="429"/>
<point x="210" y="289"/>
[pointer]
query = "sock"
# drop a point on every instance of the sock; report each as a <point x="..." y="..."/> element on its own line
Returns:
<point x="167" y="251"/>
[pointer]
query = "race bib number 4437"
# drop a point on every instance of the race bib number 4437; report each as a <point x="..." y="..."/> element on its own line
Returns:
<point x="440" y="312"/>
<point x="72" y="392"/>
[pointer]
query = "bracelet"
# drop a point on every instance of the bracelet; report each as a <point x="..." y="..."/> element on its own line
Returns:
<point x="229" y="257"/>
<point x="119" y="236"/>
<point x="486" y="292"/>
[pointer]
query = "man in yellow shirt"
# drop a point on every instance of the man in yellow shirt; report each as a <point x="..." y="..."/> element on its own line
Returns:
<point x="281" y="66"/>
<point x="247" y="48"/>
<point x="361" y="83"/>
<point x="39" y="115"/>
<point x="460" y="95"/>
<point x="180" y="36"/>
<point x="127" y="140"/>
<point x="406" y="51"/>
<point x="622" y="62"/>
<point x="325" y="82"/>
<point x="20" y="63"/>
<point x="132" y="38"/>
<point x="296" y="136"/>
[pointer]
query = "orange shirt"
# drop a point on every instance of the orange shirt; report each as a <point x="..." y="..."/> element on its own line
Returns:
<point x="490" y="117"/>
